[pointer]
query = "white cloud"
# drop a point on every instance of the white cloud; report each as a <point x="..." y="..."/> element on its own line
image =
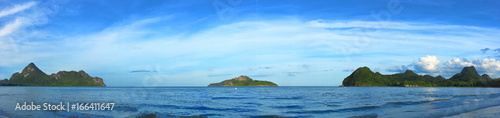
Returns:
<point x="233" y="48"/>
<point x="11" y="27"/>
<point x="400" y="68"/>
<point x="484" y="66"/>
<point x="390" y="25"/>
<point x="430" y="65"/>
<point x="455" y="65"/>
<point x="16" y="8"/>
<point x="427" y="64"/>
<point x="17" y="32"/>
<point x="8" y="44"/>
<point x="283" y="39"/>
<point x="488" y="66"/>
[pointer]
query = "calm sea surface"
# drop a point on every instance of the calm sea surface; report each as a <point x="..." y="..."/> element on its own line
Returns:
<point x="258" y="101"/>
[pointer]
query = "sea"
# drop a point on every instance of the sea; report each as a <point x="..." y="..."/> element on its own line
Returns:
<point x="254" y="102"/>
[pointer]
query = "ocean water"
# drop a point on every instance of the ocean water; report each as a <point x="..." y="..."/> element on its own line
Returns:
<point x="258" y="101"/>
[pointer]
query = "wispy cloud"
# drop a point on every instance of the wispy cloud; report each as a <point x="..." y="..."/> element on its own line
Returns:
<point x="497" y="53"/>
<point x="294" y="73"/>
<point x="263" y="40"/>
<point x="8" y="43"/>
<point x="260" y="67"/>
<point x="16" y="8"/>
<point x="142" y="71"/>
<point x="267" y="48"/>
<point x="485" y="50"/>
<point x="11" y="27"/>
<point x="391" y="25"/>
<point x="349" y="70"/>
<point x="261" y="75"/>
<point x="219" y="75"/>
<point x="17" y="35"/>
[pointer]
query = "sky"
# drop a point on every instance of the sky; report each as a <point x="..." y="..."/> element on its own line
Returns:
<point x="289" y="42"/>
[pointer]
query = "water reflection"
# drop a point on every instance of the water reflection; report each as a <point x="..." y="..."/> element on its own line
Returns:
<point x="430" y="93"/>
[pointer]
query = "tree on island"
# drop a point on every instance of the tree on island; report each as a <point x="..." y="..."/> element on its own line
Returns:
<point x="468" y="77"/>
<point x="243" y="81"/>
<point x="33" y="76"/>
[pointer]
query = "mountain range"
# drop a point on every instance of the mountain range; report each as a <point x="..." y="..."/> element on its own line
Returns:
<point x="33" y="76"/>
<point x="468" y="77"/>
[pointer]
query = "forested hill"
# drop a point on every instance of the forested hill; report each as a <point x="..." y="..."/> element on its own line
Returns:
<point x="468" y="77"/>
<point x="243" y="81"/>
<point x="33" y="76"/>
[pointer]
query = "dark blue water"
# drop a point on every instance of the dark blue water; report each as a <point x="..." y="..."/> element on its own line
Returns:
<point x="259" y="101"/>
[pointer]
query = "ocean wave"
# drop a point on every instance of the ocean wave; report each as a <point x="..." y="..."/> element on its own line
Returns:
<point x="461" y="96"/>
<point x="253" y="103"/>
<point x="288" y="107"/>
<point x="276" y="116"/>
<point x="366" y="116"/>
<point x="159" y="115"/>
<point x="362" y="108"/>
<point x="202" y="108"/>
<point x="228" y="98"/>
<point x="412" y="102"/>
<point x="285" y="98"/>
<point x="125" y="108"/>
<point x="80" y="115"/>
<point x="281" y="103"/>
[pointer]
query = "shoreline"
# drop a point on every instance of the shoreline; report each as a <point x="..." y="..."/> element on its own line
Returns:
<point x="489" y="112"/>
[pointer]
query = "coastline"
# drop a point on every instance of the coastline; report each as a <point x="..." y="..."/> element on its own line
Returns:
<point x="489" y="112"/>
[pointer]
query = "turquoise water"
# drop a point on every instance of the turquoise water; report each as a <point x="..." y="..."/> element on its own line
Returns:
<point x="256" y="101"/>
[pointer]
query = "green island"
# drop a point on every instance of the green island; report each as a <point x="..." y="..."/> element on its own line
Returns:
<point x="243" y="81"/>
<point x="33" y="76"/>
<point x="468" y="77"/>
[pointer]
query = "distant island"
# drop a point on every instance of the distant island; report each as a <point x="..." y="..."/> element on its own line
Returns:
<point x="243" y="81"/>
<point x="33" y="76"/>
<point x="468" y="77"/>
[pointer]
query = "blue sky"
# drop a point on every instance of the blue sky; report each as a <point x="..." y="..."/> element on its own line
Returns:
<point x="289" y="42"/>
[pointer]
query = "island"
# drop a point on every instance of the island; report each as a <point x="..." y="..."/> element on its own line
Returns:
<point x="243" y="81"/>
<point x="33" y="76"/>
<point x="468" y="77"/>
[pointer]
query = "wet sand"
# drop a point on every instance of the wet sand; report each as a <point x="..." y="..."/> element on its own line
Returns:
<point x="490" y="112"/>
